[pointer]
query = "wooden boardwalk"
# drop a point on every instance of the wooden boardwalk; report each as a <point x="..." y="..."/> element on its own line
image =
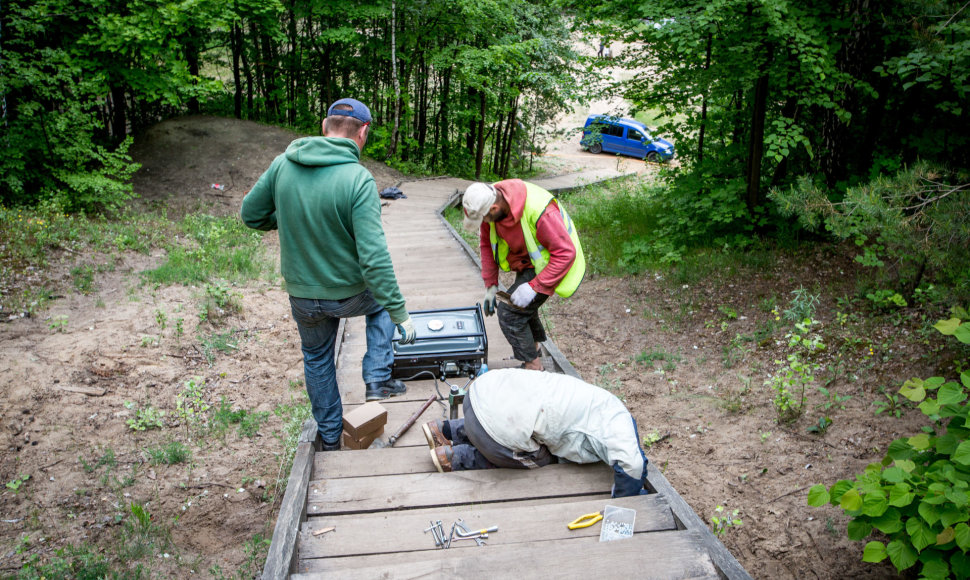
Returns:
<point x="379" y="502"/>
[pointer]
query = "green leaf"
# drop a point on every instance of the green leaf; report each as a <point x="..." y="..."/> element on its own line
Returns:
<point x="952" y="515"/>
<point x="851" y="501"/>
<point x="921" y="534"/>
<point x="930" y="407"/>
<point x="919" y="442"/>
<point x="913" y="390"/>
<point x="838" y="489"/>
<point x="818" y="496"/>
<point x="893" y="475"/>
<point x="947" y="327"/>
<point x="962" y="454"/>
<point x="874" y="552"/>
<point x="889" y="522"/>
<point x="900" y="449"/>
<point x="960" y="565"/>
<point x="901" y="554"/>
<point x="874" y="504"/>
<point x="929" y="512"/>
<point x="906" y="465"/>
<point x="951" y="394"/>
<point x="858" y="529"/>
<point x="963" y="333"/>
<point x="965" y="379"/>
<point x="961" y="534"/>
<point x="901" y="495"/>
<point x="934" y="568"/>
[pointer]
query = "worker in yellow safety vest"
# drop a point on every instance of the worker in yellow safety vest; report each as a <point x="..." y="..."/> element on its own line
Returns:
<point x="523" y="229"/>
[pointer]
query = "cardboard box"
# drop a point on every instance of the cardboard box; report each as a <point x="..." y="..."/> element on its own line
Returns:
<point x="364" y="442"/>
<point x="364" y="420"/>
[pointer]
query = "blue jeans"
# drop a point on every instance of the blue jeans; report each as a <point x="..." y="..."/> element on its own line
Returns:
<point x="317" y="321"/>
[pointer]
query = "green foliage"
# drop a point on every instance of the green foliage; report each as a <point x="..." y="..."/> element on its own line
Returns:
<point x="146" y="418"/>
<point x="216" y="247"/>
<point x="915" y="220"/>
<point x="789" y="383"/>
<point x="802" y="306"/>
<point x="171" y="453"/>
<point x="68" y="563"/>
<point x="191" y="407"/>
<point x="722" y="522"/>
<point x="886" y="299"/>
<point x="821" y="426"/>
<point x="217" y="342"/>
<point x="248" y="422"/>
<point x="16" y="483"/>
<point x="917" y="498"/>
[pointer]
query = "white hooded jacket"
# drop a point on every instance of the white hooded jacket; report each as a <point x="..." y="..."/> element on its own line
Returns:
<point x="583" y="423"/>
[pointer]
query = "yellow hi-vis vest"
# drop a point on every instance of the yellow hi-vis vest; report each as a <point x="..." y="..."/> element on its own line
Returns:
<point x="536" y="201"/>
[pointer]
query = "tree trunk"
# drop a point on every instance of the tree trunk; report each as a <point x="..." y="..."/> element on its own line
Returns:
<point x="119" y="116"/>
<point x="756" y="146"/>
<point x="443" y="137"/>
<point x="293" y="69"/>
<point x="480" y="149"/>
<point x="703" y="124"/>
<point x="236" y="45"/>
<point x="392" y="148"/>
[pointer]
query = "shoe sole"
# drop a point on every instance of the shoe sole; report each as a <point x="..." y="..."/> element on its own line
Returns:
<point x="428" y="435"/>
<point x="437" y="464"/>
<point x="382" y="396"/>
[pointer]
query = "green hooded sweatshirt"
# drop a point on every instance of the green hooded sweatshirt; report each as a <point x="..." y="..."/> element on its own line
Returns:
<point x="326" y="207"/>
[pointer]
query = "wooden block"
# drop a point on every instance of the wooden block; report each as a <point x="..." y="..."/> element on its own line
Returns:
<point x="365" y="419"/>
<point x="365" y="440"/>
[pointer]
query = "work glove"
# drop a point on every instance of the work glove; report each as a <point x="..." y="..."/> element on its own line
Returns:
<point x="407" y="331"/>
<point x="489" y="304"/>
<point x="523" y="296"/>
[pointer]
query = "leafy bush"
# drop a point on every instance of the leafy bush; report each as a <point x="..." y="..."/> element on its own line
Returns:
<point x="914" y="222"/>
<point x="917" y="496"/>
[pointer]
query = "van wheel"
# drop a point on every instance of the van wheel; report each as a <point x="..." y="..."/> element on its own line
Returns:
<point x="596" y="148"/>
<point x="653" y="157"/>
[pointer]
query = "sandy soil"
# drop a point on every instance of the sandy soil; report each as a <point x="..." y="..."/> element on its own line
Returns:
<point x="62" y="406"/>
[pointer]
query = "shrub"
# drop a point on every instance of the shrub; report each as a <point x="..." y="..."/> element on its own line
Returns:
<point x="917" y="496"/>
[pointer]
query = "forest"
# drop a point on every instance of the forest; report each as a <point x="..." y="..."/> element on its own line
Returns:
<point x="788" y="115"/>
<point x="810" y="135"/>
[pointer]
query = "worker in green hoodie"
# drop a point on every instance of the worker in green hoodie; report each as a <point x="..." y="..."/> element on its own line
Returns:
<point x="333" y="256"/>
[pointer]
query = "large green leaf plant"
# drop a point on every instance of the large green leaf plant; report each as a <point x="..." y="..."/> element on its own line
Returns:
<point x="915" y="503"/>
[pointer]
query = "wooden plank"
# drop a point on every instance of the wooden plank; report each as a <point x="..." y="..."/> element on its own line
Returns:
<point x="281" y="559"/>
<point x="726" y="563"/>
<point x="419" y="490"/>
<point x="413" y="457"/>
<point x="658" y="555"/>
<point x="519" y="522"/>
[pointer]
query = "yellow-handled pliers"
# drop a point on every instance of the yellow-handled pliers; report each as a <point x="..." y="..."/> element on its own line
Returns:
<point x="585" y="521"/>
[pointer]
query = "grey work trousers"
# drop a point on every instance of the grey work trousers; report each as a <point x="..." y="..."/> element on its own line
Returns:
<point x="474" y="448"/>
<point x="522" y="328"/>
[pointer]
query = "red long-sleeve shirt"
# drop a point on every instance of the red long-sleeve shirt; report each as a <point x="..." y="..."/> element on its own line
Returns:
<point x="550" y="233"/>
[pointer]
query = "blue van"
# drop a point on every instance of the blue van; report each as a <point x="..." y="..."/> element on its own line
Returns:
<point x="624" y="136"/>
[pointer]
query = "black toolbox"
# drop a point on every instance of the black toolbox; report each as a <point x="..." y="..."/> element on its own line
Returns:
<point x="449" y="342"/>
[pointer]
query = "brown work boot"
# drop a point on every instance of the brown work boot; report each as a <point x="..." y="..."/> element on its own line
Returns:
<point x="442" y="458"/>
<point x="432" y="432"/>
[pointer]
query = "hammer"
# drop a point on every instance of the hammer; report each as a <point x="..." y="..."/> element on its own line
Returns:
<point x="380" y="443"/>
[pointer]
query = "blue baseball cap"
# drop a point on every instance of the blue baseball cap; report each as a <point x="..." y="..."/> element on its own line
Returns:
<point x="357" y="110"/>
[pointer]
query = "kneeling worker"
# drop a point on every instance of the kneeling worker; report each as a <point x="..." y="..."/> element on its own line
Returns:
<point x="520" y="419"/>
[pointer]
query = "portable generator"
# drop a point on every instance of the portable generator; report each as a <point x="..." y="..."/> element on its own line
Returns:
<point x="449" y="342"/>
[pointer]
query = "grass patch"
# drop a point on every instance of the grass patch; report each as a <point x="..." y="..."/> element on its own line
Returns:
<point x="247" y="422"/>
<point x="171" y="453"/>
<point x="211" y="247"/>
<point x="651" y="356"/>
<point x="217" y="342"/>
